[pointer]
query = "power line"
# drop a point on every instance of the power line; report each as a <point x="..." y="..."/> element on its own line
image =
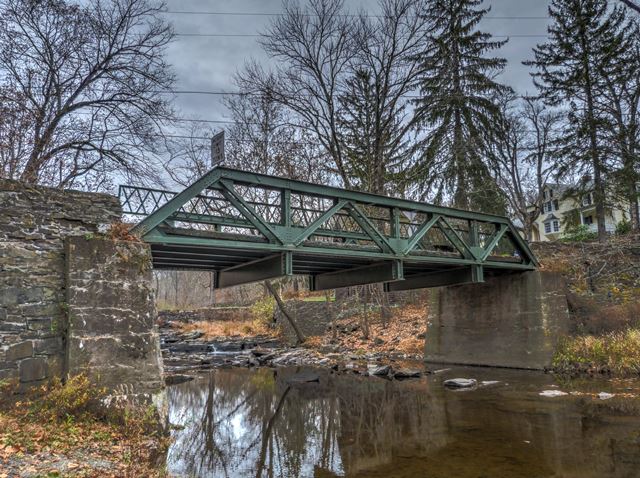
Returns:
<point x="276" y="14"/>
<point x="256" y="35"/>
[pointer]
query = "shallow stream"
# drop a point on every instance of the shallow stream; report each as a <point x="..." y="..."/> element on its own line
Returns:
<point x="269" y="423"/>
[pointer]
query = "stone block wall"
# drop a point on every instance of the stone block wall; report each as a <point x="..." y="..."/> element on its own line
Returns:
<point x="112" y="335"/>
<point x="313" y="318"/>
<point x="34" y="222"/>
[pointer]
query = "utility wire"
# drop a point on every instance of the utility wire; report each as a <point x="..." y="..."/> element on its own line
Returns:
<point x="256" y="35"/>
<point x="276" y="14"/>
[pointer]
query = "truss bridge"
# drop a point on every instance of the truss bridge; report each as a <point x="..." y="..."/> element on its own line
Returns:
<point x="249" y="227"/>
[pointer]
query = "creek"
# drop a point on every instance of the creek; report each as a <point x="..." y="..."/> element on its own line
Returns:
<point x="272" y="422"/>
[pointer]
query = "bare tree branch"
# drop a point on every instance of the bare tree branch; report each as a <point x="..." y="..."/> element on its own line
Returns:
<point x="87" y="76"/>
<point x="632" y="5"/>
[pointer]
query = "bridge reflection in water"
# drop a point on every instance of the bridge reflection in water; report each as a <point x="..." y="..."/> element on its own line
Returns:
<point x="248" y="227"/>
<point x="252" y="423"/>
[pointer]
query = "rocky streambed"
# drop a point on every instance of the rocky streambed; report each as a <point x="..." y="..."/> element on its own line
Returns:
<point x="186" y="354"/>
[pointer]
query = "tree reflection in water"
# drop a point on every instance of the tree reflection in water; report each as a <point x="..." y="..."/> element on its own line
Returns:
<point x="260" y="423"/>
<point x="234" y="426"/>
<point x="253" y="423"/>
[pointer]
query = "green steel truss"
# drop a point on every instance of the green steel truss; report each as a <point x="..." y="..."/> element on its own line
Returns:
<point x="248" y="227"/>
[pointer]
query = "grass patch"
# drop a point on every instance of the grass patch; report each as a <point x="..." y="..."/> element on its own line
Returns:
<point x="64" y="424"/>
<point x="318" y="298"/>
<point x="616" y="353"/>
<point x="224" y="328"/>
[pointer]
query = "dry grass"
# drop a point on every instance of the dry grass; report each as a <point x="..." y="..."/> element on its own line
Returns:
<point x="223" y="328"/>
<point x="616" y="353"/>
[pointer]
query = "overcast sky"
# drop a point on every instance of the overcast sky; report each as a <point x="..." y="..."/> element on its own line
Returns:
<point x="208" y="63"/>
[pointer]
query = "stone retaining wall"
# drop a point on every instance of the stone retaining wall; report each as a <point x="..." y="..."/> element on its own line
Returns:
<point x="71" y="300"/>
<point x="34" y="221"/>
<point x="312" y="318"/>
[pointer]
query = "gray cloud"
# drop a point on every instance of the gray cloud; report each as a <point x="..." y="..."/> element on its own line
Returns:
<point x="209" y="63"/>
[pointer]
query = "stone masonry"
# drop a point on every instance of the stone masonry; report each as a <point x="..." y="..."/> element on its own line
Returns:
<point x="72" y="301"/>
<point x="312" y="318"/>
<point x="33" y="225"/>
<point x="112" y="336"/>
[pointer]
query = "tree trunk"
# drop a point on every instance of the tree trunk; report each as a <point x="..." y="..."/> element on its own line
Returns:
<point x="599" y="194"/>
<point x="634" y="207"/>
<point x="285" y="312"/>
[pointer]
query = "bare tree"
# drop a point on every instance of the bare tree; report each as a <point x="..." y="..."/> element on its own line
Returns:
<point x="264" y="139"/>
<point x="14" y="120"/>
<point x="632" y="5"/>
<point x="373" y="110"/>
<point x="188" y="154"/>
<point x="313" y="47"/>
<point x="522" y="154"/>
<point x="621" y="105"/>
<point x="88" y="77"/>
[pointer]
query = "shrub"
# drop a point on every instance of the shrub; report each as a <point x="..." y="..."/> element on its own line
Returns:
<point x="263" y="310"/>
<point x="623" y="227"/>
<point x="615" y="352"/>
<point x="73" y="399"/>
<point x="578" y="233"/>
<point x="119" y="231"/>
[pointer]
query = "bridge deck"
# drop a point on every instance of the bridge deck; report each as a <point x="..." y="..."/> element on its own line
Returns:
<point x="248" y="227"/>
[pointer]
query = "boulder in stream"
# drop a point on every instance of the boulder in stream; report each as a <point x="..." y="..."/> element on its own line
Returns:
<point x="407" y="373"/>
<point x="553" y="393"/>
<point x="303" y="377"/>
<point x="460" y="383"/>
<point x="380" y="370"/>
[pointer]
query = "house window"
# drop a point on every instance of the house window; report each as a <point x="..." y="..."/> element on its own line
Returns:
<point x="556" y="226"/>
<point x="550" y="193"/>
<point x="544" y="194"/>
<point x="586" y="200"/>
<point x="556" y="205"/>
<point x="587" y="220"/>
<point x="547" y="227"/>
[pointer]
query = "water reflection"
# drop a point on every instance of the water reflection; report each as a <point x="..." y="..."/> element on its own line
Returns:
<point x="261" y="423"/>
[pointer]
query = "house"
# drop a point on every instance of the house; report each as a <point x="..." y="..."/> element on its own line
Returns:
<point x="562" y="207"/>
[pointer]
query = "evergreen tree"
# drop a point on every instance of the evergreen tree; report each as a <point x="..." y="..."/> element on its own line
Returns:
<point x="373" y="137"/>
<point x="456" y="111"/>
<point x="586" y="43"/>
<point x="621" y="104"/>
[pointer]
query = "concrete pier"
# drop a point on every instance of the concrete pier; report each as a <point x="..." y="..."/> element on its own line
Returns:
<point x="509" y="321"/>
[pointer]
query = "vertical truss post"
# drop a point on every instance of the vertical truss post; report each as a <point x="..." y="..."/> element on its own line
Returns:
<point x="474" y="235"/>
<point x="474" y="239"/>
<point x="285" y="207"/>
<point x="395" y="223"/>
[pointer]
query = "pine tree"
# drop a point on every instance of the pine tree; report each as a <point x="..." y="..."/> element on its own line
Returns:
<point x="621" y="104"/>
<point x="456" y="111"/>
<point x="587" y="40"/>
<point x="373" y="136"/>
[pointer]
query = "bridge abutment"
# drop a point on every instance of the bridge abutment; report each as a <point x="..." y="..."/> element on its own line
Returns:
<point x="112" y="337"/>
<point x="512" y="320"/>
<point x="71" y="302"/>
